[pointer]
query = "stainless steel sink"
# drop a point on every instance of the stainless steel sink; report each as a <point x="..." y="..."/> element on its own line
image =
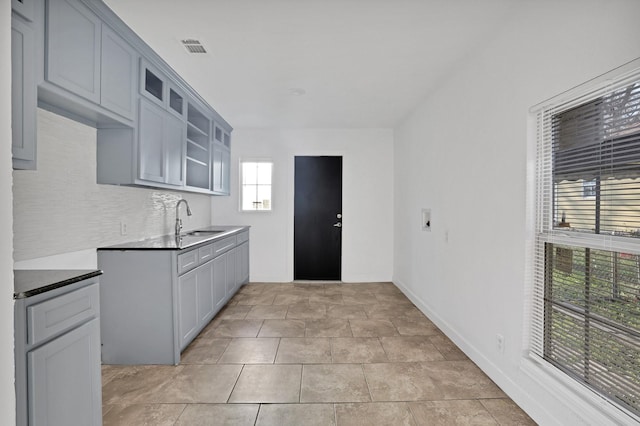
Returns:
<point x="202" y="233"/>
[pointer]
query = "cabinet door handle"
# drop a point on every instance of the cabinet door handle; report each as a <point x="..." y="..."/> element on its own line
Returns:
<point x="338" y="225"/>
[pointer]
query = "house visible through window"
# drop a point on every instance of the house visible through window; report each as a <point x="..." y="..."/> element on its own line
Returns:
<point x="587" y="247"/>
<point x="255" y="185"/>
<point x="588" y="188"/>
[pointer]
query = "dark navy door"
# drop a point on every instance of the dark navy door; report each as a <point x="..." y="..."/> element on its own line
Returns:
<point x="318" y="218"/>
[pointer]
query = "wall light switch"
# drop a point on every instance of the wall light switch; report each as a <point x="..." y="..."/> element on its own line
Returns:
<point x="426" y="219"/>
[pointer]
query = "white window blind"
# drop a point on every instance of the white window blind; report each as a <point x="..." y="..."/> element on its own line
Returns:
<point x="586" y="307"/>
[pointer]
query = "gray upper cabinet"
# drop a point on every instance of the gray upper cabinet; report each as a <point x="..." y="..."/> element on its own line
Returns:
<point x="152" y="154"/>
<point x="78" y="59"/>
<point x="23" y="95"/>
<point x="73" y="48"/>
<point x="152" y="143"/>
<point x="176" y="101"/>
<point x="174" y="129"/>
<point x="220" y="170"/>
<point x="160" y="145"/>
<point x="161" y="129"/>
<point x="198" y="143"/>
<point x="153" y="84"/>
<point x="91" y="62"/>
<point x="221" y="160"/>
<point x="118" y="74"/>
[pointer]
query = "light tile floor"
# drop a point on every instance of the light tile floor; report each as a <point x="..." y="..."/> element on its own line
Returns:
<point x="312" y="354"/>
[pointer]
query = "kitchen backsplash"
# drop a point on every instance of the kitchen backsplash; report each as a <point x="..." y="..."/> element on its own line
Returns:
<point x="59" y="208"/>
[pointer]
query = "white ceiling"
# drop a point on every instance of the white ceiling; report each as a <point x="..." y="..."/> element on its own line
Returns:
<point x="362" y="63"/>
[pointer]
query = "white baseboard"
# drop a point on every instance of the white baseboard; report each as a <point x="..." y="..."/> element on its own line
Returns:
<point x="583" y="404"/>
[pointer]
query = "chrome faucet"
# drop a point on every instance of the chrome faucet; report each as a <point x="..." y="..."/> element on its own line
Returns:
<point x="178" y="220"/>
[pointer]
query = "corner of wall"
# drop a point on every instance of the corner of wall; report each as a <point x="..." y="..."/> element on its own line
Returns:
<point x="7" y="375"/>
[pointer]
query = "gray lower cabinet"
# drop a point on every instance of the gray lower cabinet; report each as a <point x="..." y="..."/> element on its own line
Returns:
<point x="23" y="94"/>
<point x="155" y="302"/>
<point x="231" y="284"/>
<point x="188" y="307"/>
<point x="67" y="364"/>
<point x="26" y="8"/>
<point x="242" y="263"/>
<point x="58" y="375"/>
<point x="220" y="280"/>
<point x="139" y="307"/>
<point x="226" y="278"/>
<point x="204" y="293"/>
<point x="195" y="299"/>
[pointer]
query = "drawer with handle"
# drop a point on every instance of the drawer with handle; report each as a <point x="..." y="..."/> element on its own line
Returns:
<point x="206" y="253"/>
<point x="187" y="261"/>
<point x="242" y="237"/>
<point x="55" y="316"/>
<point x="224" y="245"/>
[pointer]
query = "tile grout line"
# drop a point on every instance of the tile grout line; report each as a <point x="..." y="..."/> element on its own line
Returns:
<point x="235" y="384"/>
<point x="301" y="378"/>
<point x="383" y="350"/>
<point x="275" y="356"/>
<point x="180" y="415"/>
<point x="413" y="416"/>
<point x="255" y="421"/>
<point x="367" y="382"/>
<point x="378" y="336"/>
<point x="331" y="349"/>
<point x="260" y="328"/>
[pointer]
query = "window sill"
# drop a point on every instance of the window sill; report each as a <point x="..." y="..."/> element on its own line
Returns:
<point x="585" y="403"/>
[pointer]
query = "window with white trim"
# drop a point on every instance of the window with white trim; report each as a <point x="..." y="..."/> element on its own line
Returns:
<point x="255" y="185"/>
<point x="586" y="307"/>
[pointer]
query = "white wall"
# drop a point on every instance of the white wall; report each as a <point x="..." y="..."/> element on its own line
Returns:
<point x="61" y="215"/>
<point x="7" y="390"/>
<point x="463" y="153"/>
<point x="367" y="199"/>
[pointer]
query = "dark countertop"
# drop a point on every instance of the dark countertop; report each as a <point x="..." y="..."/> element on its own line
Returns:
<point x="27" y="283"/>
<point x="170" y="242"/>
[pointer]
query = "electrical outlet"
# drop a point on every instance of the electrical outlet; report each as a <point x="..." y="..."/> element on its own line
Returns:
<point x="426" y="219"/>
<point x="123" y="228"/>
<point x="500" y="343"/>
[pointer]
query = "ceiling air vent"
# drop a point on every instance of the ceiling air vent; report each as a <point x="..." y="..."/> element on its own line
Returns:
<point x="193" y="46"/>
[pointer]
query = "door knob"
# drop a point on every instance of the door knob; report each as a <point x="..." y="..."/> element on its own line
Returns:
<point x="338" y="225"/>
